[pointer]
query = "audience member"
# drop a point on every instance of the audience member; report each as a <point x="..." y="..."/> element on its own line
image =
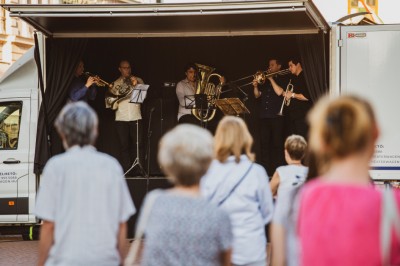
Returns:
<point x="181" y="228"/>
<point x="83" y="199"/>
<point x="339" y="221"/>
<point x="293" y="174"/>
<point x="239" y="186"/>
<point x="284" y="240"/>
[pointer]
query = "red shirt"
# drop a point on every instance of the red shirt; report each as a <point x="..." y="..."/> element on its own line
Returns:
<point x="339" y="224"/>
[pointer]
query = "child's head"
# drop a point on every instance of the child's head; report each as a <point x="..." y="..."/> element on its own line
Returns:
<point x="295" y="148"/>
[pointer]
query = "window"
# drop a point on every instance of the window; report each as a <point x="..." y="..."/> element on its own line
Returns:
<point x="354" y="3"/>
<point x="10" y="124"/>
<point x="356" y="6"/>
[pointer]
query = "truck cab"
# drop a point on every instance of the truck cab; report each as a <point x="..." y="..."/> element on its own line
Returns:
<point x="18" y="121"/>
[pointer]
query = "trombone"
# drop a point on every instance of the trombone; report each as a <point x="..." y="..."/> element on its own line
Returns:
<point x="286" y="102"/>
<point x="98" y="81"/>
<point x="261" y="76"/>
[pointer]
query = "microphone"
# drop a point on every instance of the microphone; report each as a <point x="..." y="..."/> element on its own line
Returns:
<point x="152" y="109"/>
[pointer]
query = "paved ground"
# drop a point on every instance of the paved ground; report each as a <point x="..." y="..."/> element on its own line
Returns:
<point x="14" y="251"/>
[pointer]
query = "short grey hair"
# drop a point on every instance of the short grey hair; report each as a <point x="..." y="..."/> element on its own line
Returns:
<point x="77" y="123"/>
<point x="185" y="154"/>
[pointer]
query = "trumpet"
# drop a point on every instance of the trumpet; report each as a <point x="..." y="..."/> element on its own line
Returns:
<point x="261" y="76"/>
<point x="98" y="81"/>
<point x="285" y="101"/>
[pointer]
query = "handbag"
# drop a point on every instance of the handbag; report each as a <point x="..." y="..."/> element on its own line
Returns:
<point x="135" y="252"/>
<point x="390" y="217"/>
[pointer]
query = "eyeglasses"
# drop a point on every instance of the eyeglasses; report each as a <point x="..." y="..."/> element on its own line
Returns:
<point x="126" y="67"/>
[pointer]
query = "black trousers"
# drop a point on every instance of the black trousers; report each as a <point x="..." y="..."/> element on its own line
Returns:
<point x="299" y="125"/>
<point x="272" y="143"/>
<point x="188" y="119"/>
<point x="191" y="119"/>
<point x="126" y="131"/>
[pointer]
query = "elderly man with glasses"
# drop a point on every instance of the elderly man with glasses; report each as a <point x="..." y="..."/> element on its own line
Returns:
<point x="127" y="114"/>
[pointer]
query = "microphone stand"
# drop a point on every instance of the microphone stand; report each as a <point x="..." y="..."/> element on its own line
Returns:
<point x="136" y="162"/>
<point x="149" y="132"/>
<point x="246" y="96"/>
<point x="234" y="88"/>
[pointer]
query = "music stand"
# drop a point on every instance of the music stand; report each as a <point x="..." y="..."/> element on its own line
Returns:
<point x="232" y="106"/>
<point x="189" y="101"/>
<point x="139" y="93"/>
<point x="201" y="102"/>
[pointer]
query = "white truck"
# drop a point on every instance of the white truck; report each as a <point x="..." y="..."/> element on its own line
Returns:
<point x="236" y="37"/>
<point x="364" y="61"/>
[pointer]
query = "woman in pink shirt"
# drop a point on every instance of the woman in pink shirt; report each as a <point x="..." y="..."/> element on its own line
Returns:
<point x="340" y="212"/>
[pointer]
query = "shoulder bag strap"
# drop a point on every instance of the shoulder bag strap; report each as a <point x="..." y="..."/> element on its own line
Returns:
<point x="139" y="233"/>
<point x="390" y="216"/>
<point x="235" y="186"/>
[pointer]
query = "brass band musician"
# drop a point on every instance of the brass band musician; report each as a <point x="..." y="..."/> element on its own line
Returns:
<point x="126" y="113"/>
<point x="82" y="88"/>
<point x="271" y="123"/>
<point x="185" y="91"/>
<point x="187" y="87"/>
<point x="300" y="100"/>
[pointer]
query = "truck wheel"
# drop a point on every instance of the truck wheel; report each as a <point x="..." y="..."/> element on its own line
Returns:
<point x="32" y="233"/>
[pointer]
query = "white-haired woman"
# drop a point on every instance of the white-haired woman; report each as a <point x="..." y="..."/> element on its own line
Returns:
<point x="82" y="192"/>
<point x="240" y="187"/>
<point x="340" y="216"/>
<point x="182" y="228"/>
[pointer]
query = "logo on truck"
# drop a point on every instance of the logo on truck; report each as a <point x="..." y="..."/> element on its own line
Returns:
<point x="356" y="35"/>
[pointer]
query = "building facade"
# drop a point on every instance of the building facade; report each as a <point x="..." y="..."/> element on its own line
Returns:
<point x="16" y="37"/>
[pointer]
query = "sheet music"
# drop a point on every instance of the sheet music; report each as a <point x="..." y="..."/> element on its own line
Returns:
<point x="231" y="106"/>
<point x="139" y="93"/>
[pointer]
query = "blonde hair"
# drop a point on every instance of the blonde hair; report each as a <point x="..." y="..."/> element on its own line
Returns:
<point x="232" y="138"/>
<point x="296" y="146"/>
<point x="185" y="154"/>
<point x="341" y="127"/>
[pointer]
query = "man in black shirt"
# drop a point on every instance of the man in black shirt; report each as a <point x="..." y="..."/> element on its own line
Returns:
<point x="271" y="123"/>
<point x="300" y="100"/>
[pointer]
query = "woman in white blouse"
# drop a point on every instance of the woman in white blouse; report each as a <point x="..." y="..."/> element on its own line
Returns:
<point x="240" y="187"/>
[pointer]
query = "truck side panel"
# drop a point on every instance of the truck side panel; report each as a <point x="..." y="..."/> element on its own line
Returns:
<point x="369" y="66"/>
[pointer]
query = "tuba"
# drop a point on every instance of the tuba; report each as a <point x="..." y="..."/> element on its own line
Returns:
<point x="208" y="84"/>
